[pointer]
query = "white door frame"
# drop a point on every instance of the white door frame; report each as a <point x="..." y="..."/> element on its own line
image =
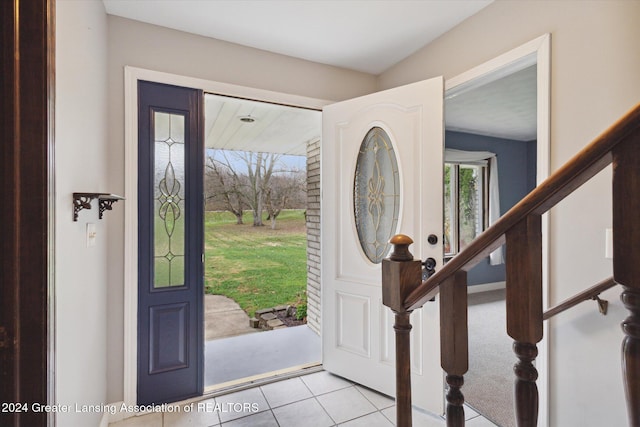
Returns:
<point x="131" y="77"/>
<point x="537" y="51"/>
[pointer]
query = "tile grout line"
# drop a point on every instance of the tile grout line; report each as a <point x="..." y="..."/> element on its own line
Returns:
<point x="324" y="409"/>
<point x="264" y="396"/>
<point x="315" y="397"/>
<point x="289" y="403"/>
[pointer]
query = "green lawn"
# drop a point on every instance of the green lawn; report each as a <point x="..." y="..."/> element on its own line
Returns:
<point x="256" y="266"/>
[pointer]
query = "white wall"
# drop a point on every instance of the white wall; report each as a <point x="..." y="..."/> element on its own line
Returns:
<point x="595" y="68"/>
<point x="155" y="48"/>
<point x="80" y="153"/>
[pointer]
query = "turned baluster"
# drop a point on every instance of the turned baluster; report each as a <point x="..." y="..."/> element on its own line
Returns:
<point x="524" y="312"/>
<point x="631" y="354"/>
<point x="454" y="343"/>
<point x="400" y="275"/>
<point x="626" y="268"/>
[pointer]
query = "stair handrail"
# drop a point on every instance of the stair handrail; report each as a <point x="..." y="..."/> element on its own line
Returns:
<point x="582" y="167"/>
<point x="591" y="293"/>
<point x="520" y="228"/>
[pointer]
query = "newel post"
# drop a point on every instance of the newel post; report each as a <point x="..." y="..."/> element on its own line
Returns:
<point x="400" y="275"/>
<point x="626" y="268"/>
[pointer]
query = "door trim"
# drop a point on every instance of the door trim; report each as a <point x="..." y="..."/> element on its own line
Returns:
<point x="130" y="278"/>
<point x="536" y="51"/>
<point x="27" y="294"/>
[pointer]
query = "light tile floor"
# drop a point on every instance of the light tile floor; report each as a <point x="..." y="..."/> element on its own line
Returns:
<point x="314" y="400"/>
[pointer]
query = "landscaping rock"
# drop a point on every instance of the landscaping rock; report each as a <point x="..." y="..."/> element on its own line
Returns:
<point x="278" y="317"/>
<point x="263" y="311"/>
<point x="271" y="324"/>
<point x="268" y="316"/>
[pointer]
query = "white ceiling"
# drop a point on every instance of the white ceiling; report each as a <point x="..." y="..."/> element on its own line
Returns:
<point x="363" y="35"/>
<point x="503" y="108"/>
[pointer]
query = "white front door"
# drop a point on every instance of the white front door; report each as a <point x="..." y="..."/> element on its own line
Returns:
<point x="357" y="331"/>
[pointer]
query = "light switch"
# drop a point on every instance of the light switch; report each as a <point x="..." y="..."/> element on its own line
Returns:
<point x="91" y="234"/>
<point x="608" y="246"/>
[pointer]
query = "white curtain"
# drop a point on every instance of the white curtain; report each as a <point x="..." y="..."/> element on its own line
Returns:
<point x="483" y="158"/>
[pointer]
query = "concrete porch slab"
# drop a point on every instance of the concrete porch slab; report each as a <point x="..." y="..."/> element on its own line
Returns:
<point x="243" y="356"/>
<point x="223" y="318"/>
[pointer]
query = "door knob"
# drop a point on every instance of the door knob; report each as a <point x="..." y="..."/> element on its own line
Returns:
<point x="429" y="268"/>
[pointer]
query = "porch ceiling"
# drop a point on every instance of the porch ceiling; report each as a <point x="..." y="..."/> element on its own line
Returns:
<point x="275" y="128"/>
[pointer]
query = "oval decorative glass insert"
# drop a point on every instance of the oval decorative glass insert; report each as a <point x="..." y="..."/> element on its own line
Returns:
<point x="376" y="194"/>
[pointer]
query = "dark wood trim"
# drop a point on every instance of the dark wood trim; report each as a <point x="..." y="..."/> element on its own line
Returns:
<point x="454" y="334"/>
<point x="26" y="154"/>
<point x="626" y="268"/>
<point x="526" y="399"/>
<point x="625" y="192"/>
<point x="631" y="353"/>
<point x="524" y="280"/>
<point x="402" y="328"/>
<point x="454" y="344"/>
<point x="401" y="274"/>
<point x="524" y="312"/>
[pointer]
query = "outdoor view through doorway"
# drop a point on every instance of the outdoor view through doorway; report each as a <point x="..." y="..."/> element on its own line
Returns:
<point x="255" y="239"/>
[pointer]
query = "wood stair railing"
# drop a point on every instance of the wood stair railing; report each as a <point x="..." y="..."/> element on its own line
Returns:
<point x="588" y="294"/>
<point x="521" y="230"/>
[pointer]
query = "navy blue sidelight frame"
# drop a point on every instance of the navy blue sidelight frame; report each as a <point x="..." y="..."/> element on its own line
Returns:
<point x="170" y="319"/>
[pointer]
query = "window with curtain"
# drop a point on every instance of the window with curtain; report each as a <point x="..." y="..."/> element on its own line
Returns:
<point x="471" y="199"/>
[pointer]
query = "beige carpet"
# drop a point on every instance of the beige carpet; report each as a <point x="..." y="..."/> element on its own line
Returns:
<point x="488" y="386"/>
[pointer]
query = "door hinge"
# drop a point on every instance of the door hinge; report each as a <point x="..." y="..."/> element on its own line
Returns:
<point x="3" y="337"/>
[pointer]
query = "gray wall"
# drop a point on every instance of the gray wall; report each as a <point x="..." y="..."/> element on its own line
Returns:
<point x="516" y="165"/>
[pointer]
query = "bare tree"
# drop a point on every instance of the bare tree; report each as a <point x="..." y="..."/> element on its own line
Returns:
<point x="224" y="183"/>
<point x="254" y="180"/>
<point x="283" y="188"/>
<point x="260" y="169"/>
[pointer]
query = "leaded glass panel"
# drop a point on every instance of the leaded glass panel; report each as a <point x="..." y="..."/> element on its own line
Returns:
<point x="169" y="200"/>
<point x="376" y="194"/>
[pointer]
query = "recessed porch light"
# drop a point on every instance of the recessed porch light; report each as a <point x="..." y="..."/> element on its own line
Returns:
<point x="247" y="119"/>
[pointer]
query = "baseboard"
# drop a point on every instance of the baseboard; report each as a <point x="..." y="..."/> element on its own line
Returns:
<point x="104" y="421"/>
<point x="486" y="287"/>
<point x="113" y="415"/>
